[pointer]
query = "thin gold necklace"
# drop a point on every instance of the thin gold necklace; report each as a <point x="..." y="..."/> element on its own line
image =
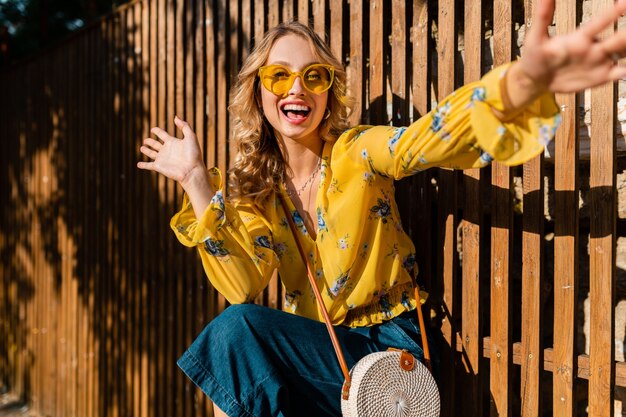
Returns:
<point x="307" y="182"/>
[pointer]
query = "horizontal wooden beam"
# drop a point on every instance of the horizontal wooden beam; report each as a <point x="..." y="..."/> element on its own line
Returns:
<point x="583" y="360"/>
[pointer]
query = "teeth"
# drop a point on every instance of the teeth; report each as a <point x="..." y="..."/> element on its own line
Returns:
<point x="296" y="107"/>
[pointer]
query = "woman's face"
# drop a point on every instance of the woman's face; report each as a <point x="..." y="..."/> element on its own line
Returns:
<point x="298" y="113"/>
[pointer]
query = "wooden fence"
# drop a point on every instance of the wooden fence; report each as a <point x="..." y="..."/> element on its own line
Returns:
<point x="97" y="299"/>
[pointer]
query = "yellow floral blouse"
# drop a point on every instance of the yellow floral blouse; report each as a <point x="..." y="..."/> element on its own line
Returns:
<point x="362" y="259"/>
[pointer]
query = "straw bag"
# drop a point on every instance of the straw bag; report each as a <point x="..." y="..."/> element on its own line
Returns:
<point x="382" y="384"/>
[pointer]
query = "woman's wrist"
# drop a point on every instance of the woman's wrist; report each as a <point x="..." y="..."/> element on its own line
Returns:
<point x="198" y="188"/>
<point x="518" y="90"/>
<point x="197" y="177"/>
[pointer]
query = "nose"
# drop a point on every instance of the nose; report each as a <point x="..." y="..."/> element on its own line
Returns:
<point x="297" y="88"/>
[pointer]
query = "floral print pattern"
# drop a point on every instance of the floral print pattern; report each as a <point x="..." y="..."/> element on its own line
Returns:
<point x="393" y="142"/>
<point x="339" y="284"/>
<point x="439" y="115"/>
<point x="263" y="241"/>
<point x="382" y="209"/>
<point x="291" y="300"/>
<point x="215" y="247"/>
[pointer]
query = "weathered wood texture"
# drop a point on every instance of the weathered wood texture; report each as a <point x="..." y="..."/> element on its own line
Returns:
<point x="98" y="300"/>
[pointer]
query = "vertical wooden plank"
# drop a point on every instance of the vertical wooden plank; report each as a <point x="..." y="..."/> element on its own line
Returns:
<point x="198" y="298"/>
<point x="81" y="322"/>
<point x="61" y="85"/>
<point x="233" y="66"/>
<point x="36" y="242"/>
<point x="319" y="18"/>
<point x="420" y="98"/>
<point x="6" y="283"/>
<point x="377" y="113"/>
<point x="222" y="103"/>
<point x="130" y="203"/>
<point x="566" y="238"/>
<point x="259" y="20"/>
<point x="448" y="202"/>
<point x="420" y="38"/>
<point x="288" y="10"/>
<point x="75" y="330"/>
<point x="92" y="287"/>
<point x="211" y="92"/>
<point x="145" y="182"/>
<point x="532" y="278"/>
<point x="471" y="315"/>
<point x="116" y="279"/>
<point x="24" y="307"/>
<point x="26" y="275"/>
<point x="399" y="84"/>
<point x="103" y="245"/>
<point x="602" y="243"/>
<point x="303" y="11"/>
<point x="160" y="277"/>
<point x="247" y="26"/>
<point x="136" y="274"/>
<point x="355" y="63"/>
<point x="211" y="81"/>
<point x="185" y="309"/>
<point x="169" y="284"/>
<point x="5" y="272"/>
<point x="177" y="277"/>
<point x="336" y="28"/>
<point x="501" y="242"/>
<point x="45" y="143"/>
<point x="199" y="79"/>
<point x="100" y="243"/>
<point x="273" y="13"/>
<point x="108" y="270"/>
<point x="119" y="219"/>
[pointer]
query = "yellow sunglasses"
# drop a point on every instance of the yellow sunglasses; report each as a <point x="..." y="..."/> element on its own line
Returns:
<point x="316" y="78"/>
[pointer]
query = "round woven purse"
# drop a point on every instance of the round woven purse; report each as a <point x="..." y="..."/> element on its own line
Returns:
<point x="382" y="384"/>
<point x="381" y="387"/>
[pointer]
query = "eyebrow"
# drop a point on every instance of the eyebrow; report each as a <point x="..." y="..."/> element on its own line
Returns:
<point x="286" y="64"/>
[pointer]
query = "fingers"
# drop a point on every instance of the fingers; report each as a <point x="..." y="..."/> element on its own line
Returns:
<point x="542" y="18"/>
<point x="161" y="134"/>
<point x="154" y="144"/>
<point x="615" y="45"/>
<point x="604" y="20"/>
<point x="184" y="126"/>
<point x="146" y="165"/>
<point x="150" y="153"/>
<point x="618" y="72"/>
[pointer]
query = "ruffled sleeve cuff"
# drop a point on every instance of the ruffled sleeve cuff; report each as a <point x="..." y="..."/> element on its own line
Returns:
<point x="519" y="139"/>
<point x="188" y="229"/>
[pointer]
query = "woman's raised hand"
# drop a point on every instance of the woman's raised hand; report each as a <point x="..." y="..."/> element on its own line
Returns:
<point x="577" y="60"/>
<point x="177" y="159"/>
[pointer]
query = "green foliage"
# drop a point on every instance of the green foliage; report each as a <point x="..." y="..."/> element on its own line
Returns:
<point x="34" y="24"/>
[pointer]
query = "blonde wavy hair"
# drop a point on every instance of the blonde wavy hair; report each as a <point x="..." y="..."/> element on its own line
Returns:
<point x="259" y="166"/>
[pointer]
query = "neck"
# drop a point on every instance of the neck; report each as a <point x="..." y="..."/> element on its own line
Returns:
<point x="302" y="157"/>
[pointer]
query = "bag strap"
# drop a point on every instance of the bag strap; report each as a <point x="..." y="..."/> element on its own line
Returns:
<point x="320" y="302"/>
<point x="329" y="326"/>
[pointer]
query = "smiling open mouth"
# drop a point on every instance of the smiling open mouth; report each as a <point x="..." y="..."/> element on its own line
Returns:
<point x="295" y="111"/>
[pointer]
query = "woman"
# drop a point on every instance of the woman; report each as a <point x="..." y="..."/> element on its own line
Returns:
<point x="289" y="109"/>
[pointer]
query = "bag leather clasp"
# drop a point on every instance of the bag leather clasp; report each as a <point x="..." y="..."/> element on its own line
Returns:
<point x="407" y="361"/>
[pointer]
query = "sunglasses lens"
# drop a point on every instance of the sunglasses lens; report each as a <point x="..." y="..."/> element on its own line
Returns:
<point x="279" y="80"/>
<point x="317" y="78"/>
<point x="276" y="79"/>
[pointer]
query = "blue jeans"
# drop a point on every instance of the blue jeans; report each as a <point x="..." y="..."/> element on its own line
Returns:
<point x="257" y="361"/>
